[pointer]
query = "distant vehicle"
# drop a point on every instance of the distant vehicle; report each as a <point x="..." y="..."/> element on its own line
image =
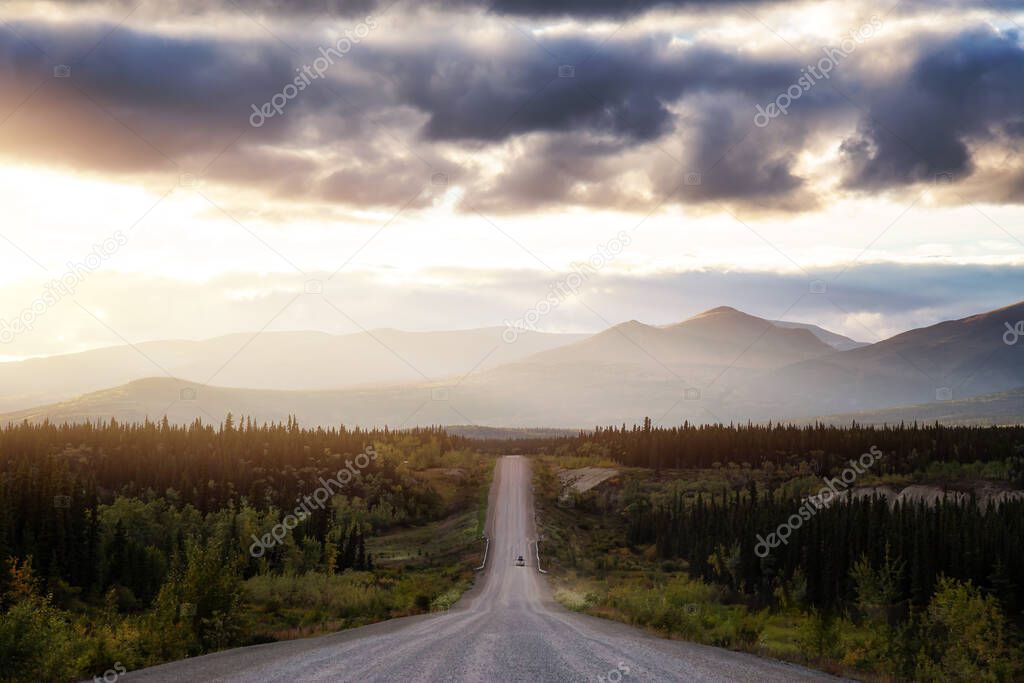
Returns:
<point x="520" y="562"/>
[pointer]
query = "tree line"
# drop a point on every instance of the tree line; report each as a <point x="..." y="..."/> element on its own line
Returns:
<point x="828" y="446"/>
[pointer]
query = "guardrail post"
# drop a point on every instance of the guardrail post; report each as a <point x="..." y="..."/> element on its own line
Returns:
<point x="486" y="548"/>
<point x="536" y="545"/>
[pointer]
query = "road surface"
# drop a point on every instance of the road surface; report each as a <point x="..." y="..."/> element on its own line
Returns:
<point x="507" y="628"/>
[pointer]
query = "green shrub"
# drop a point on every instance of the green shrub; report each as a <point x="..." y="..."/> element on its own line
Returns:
<point x="819" y="636"/>
<point x="38" y="643"/>
<point x="965" y="637"/>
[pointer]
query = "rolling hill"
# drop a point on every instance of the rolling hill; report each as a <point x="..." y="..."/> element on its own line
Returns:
<point x="271" y="360"/>
<point x="1003" y="408"/>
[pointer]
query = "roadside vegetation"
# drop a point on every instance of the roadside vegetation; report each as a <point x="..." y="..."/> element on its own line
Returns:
<point x="127" y="546"/>
<point x="870" y="588"/>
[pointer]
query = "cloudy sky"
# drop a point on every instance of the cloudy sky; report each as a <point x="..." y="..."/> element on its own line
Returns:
<point x="187" y="168"/>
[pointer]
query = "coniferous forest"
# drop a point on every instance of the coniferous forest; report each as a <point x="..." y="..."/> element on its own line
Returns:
<point x="963" y="540"/>
<point x="148" y="542"/>
<point x="141" y="543"/>
<point x="730" y="535"/>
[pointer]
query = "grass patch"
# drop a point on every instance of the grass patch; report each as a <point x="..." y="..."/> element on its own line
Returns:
<point x="446" y="541"/>
<point x="455" y="540"/>
<point x="295" y="606"/>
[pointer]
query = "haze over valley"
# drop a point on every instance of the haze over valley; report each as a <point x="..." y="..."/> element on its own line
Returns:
<point x="722" y="365"/>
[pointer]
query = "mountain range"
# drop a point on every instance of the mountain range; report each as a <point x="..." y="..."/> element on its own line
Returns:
<point x="721" y="365"/>
<point x="271" y="360"/>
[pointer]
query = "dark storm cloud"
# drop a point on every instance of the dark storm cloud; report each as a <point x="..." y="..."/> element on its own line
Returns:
<point x="624" y="9"/>
<point x="623" y="123"/>
<point x="960" y="91"/>
<point x="540" y="9"/>
<point x="624" y="89"/>
<point x="608" y="103"/>
<point x="141" y="102"/>
<point x="573" y="168"/>
<point x="303" y="9"/>
<point x="608" y="8"/>
<point x="179" y="96"/>
<point x="313" y="8"/>
<point x="719" y="157"/>
<point x="729" y="159"/>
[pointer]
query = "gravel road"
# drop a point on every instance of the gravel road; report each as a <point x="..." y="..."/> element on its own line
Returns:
<point x="507" y="628"/>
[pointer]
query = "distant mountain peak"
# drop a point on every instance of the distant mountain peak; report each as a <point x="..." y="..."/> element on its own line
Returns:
<point x="719" y="313"/>
<point x="723" y="315"/>
<point x="721" y="310"/>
